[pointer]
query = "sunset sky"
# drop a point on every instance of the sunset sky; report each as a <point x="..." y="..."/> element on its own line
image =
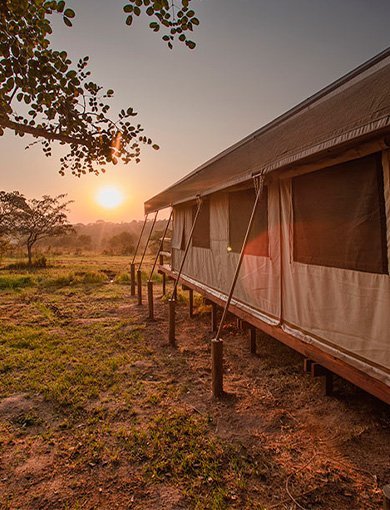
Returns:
<point x="254" y="60"/>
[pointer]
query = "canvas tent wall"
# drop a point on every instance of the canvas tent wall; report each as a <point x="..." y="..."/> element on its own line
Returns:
<point x="327" y="168"/>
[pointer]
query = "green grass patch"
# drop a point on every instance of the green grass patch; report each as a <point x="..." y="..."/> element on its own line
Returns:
<point x="182" y="448"/>
<point x="12" y="282"/>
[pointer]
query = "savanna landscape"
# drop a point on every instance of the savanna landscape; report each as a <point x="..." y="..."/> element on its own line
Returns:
<point x="97" y="410"/>
<point x="105" y="405"/>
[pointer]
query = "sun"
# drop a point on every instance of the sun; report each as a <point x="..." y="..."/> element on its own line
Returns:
<point x="109" y="197"/>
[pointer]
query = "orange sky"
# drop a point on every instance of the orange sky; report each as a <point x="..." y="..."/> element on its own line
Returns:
<point x="254" y="60"/>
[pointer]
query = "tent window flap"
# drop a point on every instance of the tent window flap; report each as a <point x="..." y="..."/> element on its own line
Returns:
<point x="201" y="234"/>
<point x="240" y="209"/>
<point x="339" y="216"/>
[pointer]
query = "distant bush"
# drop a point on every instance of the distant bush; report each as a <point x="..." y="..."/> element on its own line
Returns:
<point x="122" y="279"/>
<point x="37" y="263"/>
<point x="93" y="277"/>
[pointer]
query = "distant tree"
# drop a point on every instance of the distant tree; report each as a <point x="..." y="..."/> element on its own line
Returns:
<point x="10" y="204"/>
<point x="121" y="244"/>
<point x="42" y="218"/>
<point x="84" y="241"/>
<point x="57" y="101"/>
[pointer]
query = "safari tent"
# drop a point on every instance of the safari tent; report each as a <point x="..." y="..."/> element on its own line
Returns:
<point x="315" y="268"/>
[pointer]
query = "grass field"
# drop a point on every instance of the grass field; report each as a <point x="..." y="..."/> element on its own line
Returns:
<point x="97" y="411"/>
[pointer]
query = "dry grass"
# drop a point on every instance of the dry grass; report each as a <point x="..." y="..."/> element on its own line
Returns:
<point x="97" y="411"/>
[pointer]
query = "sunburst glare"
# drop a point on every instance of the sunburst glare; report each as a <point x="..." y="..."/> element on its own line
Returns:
<point x="109" y="197"/>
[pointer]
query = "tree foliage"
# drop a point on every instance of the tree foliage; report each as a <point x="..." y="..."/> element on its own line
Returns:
<point x="44" y="95"/>
<point x="121" y="244"/>
<point x="11" y="204"/>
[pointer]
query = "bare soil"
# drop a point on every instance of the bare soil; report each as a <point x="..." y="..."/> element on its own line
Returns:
<point x="298" y="449"/>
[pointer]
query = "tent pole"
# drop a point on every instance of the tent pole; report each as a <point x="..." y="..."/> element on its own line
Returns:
<point x="139" y="271"/>
<point x="172" y="301"/>
<point x="132" y="265"/>
<point x="150" y="283"/>
<point x="217" y="343"/>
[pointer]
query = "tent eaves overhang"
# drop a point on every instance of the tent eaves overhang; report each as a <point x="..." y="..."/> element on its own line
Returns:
<point x="354" y="107"/>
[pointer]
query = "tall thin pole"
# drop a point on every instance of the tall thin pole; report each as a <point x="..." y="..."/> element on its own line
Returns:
<point x="132" y="265"/>
<point x="139" y="238"/>
<point x="187" y="248"/>
<point x="147" y="242"/>
<point x="150" y="282"/>
<point x="161" y="245"/>
<point x="172" y="301"/>
<point x="260" y="188"/>
<point x="217" y="343"/>
<point x="139" y="271"/>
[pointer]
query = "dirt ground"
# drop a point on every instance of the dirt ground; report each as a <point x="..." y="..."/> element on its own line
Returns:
<point x="279" y="443"/>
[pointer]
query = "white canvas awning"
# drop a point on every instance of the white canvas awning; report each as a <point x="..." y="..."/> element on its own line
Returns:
<point x="354" y="107"/>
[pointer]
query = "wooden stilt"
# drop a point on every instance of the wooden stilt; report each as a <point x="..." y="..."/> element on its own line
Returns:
<point x="150" y="300"/>
<point x="307" y="363"/>
<point x="326" y="378"/>
<point x="191" y="302"/>
<point x="327" y="384"/>
<point x="172" y="320"/>
<point x="164" y="284"/>
<point x="253" y="336"/>
<point x="214" y="311"/>
<point x="161" y="259"/>
<point x="386" y="497"/>
<point x="175" y="293"/>
<point x="132" y="279"/>
<point x="139" y="286"/>
<point x="217" y="367"/>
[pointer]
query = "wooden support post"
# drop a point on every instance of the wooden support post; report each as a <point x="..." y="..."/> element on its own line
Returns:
<point x="150" y="300"/>
<point x="386" y="497"/>
<point x="164" y="284"/>
<point x="214" y="311"/>
<point x="161" y="259"/>
<point x="326" y="378"/>
<point x="139" y="286"/>
<point x="171" y="318"/>
<point x="217" y="367"/>
<point x="191" y="302"/>
<point x="132" y="279"/>
<point x="238" y="323"/>
<point x="174" y="294"/>
<point x="307" y="363"/>
<point x="253" y="336"/>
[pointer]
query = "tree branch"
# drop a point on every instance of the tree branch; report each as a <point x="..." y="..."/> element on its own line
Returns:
<point x="37" y="132"/>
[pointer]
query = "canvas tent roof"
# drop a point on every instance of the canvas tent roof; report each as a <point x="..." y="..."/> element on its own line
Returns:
<point x="355" y="106"/>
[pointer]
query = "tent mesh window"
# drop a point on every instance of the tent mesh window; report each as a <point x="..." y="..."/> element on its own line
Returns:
<point x="339" y="216"/>
<point x="201" y="234"/>
<point x="240" y="210"/>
